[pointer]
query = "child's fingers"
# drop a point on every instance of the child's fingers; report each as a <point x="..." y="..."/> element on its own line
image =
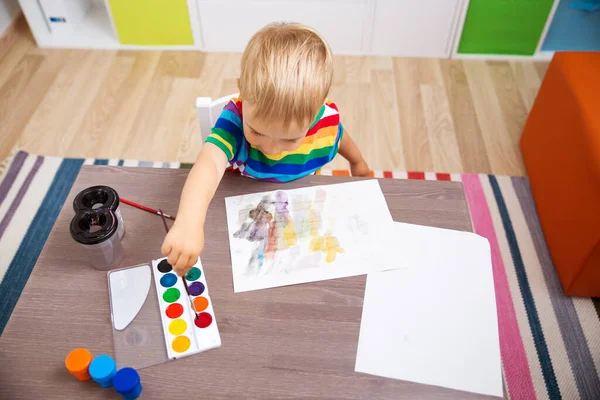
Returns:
<point x="182" y="264"/>
<point x="166" y="248"/>
<point x="173" y="257"/>
<point x="192" y="261"/>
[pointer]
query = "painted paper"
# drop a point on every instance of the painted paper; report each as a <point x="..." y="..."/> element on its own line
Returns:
<point x="294" y="236"/>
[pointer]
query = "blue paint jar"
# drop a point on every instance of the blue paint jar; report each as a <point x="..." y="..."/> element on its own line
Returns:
<point x="127" y="383"/>
<point x="102" y="370"/>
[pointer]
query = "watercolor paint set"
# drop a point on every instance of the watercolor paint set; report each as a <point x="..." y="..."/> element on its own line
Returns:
<point x="185" y="331"/>
<point x="151" y="326"/>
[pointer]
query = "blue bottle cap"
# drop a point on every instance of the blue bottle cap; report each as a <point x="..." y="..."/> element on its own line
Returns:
<point x="102" y="367"/>
<point x="126" y="380"/>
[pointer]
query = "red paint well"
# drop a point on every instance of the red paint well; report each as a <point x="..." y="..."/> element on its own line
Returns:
<point x="174" y="310"/>
<point x="204" y="320"/>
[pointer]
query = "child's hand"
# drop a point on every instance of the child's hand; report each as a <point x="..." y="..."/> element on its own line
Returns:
<point x="183" y="246"/>
<point x="360" y="169"/>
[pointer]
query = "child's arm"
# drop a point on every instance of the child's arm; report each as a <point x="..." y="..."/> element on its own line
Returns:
<point x="185" y="241"/>
<point x="349" y="150"/>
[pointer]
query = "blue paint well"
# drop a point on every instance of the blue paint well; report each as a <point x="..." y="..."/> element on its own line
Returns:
<point x="168" y="280"/>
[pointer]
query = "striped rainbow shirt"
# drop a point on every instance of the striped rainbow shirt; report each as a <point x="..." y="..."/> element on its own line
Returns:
<point x="319" y="146"/>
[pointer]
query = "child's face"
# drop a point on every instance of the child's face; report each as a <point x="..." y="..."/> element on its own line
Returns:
<point x="271" y="137"/>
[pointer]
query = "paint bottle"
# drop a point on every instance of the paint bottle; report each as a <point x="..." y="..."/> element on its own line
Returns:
<point x="127" y="383"/>
<point x="97" y="232"/>
<point x="102" y="370"/>
<point x="78" y="362"/>
<point x="100" y="198"/>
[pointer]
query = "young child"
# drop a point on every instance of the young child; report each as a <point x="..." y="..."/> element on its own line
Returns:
<point x="280" y="128"/>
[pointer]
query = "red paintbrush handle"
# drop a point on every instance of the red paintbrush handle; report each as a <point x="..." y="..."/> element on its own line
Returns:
<point x="141" y="207"/>
<point x="148" y="209"/>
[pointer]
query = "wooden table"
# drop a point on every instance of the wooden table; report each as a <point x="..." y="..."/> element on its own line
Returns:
<point x="291" y="342"/>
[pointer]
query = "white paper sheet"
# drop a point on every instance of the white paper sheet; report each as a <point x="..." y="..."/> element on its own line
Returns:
<point x="434" y="322"/>
<point x="306" y="235"/>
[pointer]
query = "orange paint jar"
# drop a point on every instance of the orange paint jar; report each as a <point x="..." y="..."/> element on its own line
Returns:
<point x="78" y="362"/>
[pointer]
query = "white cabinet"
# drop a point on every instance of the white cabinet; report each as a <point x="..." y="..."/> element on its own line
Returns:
<point x="415" y="28"/>
<point x="409" y="28"/>
<point x="228" y="25"/>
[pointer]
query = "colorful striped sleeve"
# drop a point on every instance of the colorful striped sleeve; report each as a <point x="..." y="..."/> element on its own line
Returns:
<point x="340" y="128"/>
<point x="341" y="132"/>
<point x="228" y="133"/>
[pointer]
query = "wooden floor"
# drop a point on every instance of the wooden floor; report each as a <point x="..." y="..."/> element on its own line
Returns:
<point x="405" y="114"/>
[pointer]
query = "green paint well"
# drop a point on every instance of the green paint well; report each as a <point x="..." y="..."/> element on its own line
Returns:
<point x="193" y="274"/>
<point x="171" y="295"/>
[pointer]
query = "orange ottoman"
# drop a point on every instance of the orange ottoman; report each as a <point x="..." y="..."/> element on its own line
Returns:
<point x="561" y="148"/>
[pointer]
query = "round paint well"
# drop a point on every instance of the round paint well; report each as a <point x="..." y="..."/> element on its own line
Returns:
<point x="196" y="288"/>
<point x="174" y="310"/>
<point x="201" y="303"/>
<point x="193" y="274"/>
<point x="181" y="344"/>
<point x="168" y="280"/>
<point x="177" y="327"/>
<point x="204" y="320"/>
<point x="164" y="266"/>
<point x="171" y="295"/>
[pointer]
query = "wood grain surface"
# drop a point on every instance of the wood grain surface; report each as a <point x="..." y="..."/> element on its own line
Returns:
<point x="404" y="113"/>
<point x="291" y="342"/>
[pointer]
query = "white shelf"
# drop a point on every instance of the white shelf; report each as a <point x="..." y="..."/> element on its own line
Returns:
<point x="96" y="32"/>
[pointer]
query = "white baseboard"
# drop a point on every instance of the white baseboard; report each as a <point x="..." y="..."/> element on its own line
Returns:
<point x="541" y="56"/>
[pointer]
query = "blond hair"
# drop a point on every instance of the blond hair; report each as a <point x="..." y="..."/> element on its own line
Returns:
<point x="286" y="72"/>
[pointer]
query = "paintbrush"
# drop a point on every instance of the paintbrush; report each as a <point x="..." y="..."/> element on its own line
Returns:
<point x="148" y="209"/>
<point x="187" y="289"/>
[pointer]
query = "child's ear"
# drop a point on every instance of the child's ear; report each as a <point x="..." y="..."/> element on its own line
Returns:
<point x="237" y="82"/>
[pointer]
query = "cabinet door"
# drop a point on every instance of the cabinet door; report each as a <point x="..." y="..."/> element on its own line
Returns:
<point x="152" y="22"/>
<point x="573" y="30"/>
<point x="423" y="28"/>
<point x="228" y="25"/>
<point x="511" y="27"/>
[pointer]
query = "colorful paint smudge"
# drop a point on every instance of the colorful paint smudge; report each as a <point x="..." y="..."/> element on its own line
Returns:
<point x="271" y="225"/>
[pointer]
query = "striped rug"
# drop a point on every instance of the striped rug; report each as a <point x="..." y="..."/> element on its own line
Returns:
<point x="550" y="344"/>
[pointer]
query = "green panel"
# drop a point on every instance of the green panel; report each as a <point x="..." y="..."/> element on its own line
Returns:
<point x="504" y="26"/>
<point x="152" y="22"/>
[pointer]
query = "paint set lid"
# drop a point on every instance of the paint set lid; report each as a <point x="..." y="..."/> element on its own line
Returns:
<point x="126" y="380"/>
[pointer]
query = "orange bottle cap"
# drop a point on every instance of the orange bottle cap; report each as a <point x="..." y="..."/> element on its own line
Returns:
<point x="77" y="363"/>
